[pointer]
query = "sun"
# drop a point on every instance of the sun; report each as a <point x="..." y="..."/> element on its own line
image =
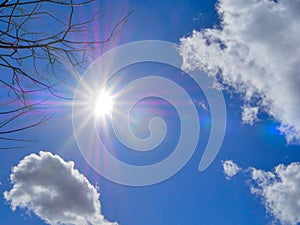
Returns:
<point x="104" y="104"/>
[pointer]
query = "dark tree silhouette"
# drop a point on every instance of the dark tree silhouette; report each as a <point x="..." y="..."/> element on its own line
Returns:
<point x="39" y="39"/>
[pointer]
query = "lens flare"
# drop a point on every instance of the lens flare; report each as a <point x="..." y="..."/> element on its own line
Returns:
<point x="119" y="102"/>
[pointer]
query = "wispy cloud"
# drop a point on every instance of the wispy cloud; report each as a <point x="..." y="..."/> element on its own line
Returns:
<point x="56" y="192"/>
<point x="256" y="50"/>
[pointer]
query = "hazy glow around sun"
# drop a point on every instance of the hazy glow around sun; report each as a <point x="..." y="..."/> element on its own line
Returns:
<point x="104" y="104"/>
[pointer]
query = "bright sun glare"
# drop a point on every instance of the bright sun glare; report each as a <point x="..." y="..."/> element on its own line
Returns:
<point x="104" y="104"/>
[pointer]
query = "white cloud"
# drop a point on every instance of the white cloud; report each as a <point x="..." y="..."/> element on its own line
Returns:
<point x="249" y="114"/>
<point x="56" y="192"/>
<point x="201" y="104"/>
<point x="230" y="168"/>
<point x="280" y="191"/>
<point x="257" y="52"/>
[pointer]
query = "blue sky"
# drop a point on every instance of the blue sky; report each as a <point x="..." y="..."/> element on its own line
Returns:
<point x="189" y="197"/>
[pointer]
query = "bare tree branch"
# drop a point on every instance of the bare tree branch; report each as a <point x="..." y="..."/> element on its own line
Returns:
<point x="37" y="37"/>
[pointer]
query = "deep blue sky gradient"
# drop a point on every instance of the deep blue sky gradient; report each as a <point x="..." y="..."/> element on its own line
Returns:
<point x="189" y="197"/>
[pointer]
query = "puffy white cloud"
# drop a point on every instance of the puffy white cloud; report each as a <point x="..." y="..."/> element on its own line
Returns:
<point x="255" y="51"/>
<point x="280" y="191"/>
<point x="249" y="114"/>
<point x="230" y="168"/>
<point x="56" y="192"/>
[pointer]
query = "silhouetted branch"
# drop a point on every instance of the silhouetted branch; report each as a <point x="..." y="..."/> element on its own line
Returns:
<point x="38" y="38"/>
